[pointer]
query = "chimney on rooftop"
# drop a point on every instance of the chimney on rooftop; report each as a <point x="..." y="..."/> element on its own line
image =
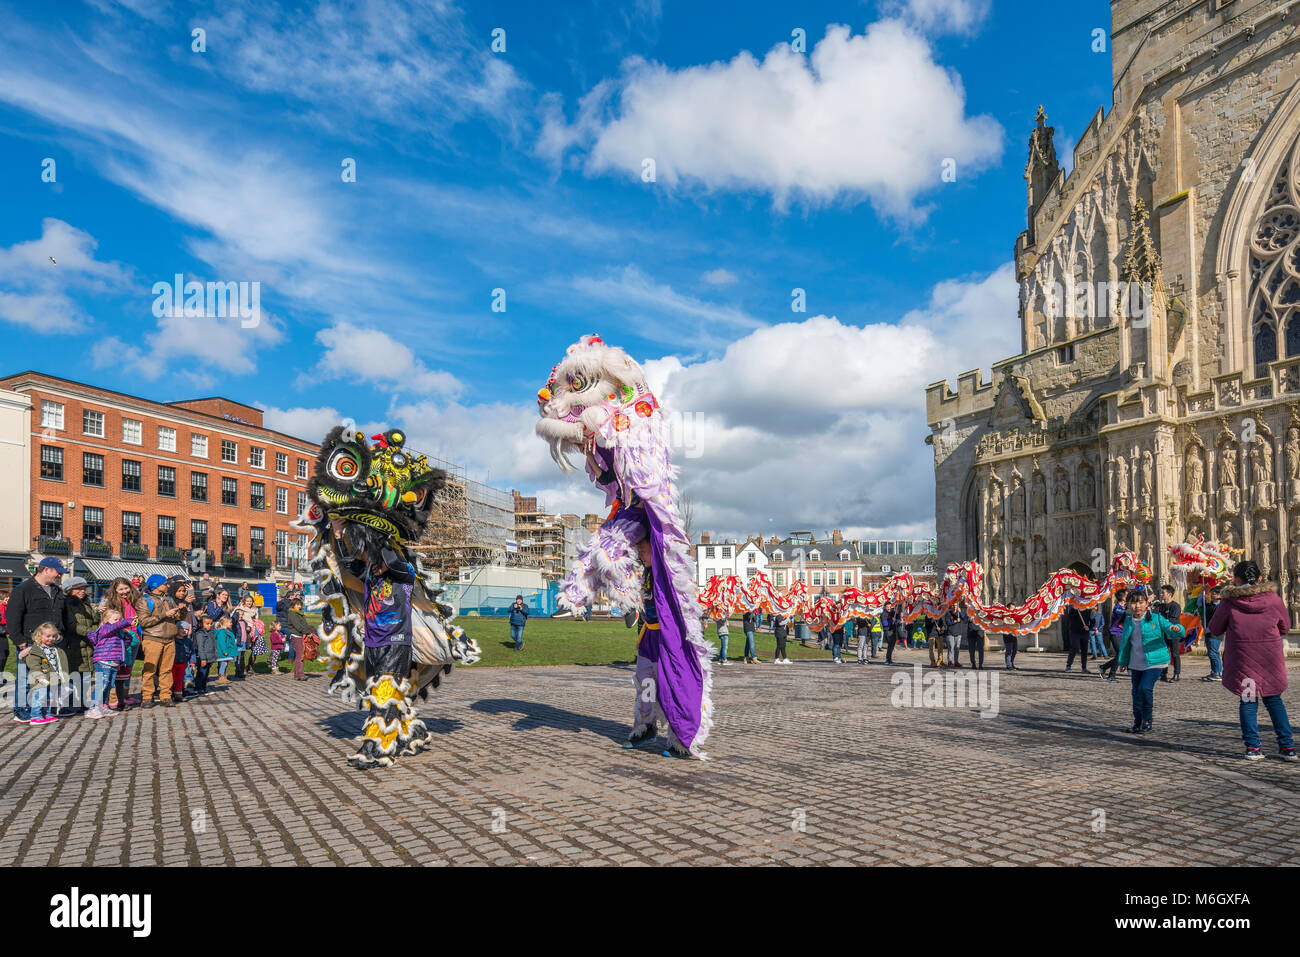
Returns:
<point x="837" y="537"/>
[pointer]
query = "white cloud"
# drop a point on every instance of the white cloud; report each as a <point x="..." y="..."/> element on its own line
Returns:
<point x="660" y="313"/>
<point x="411" y="63"/>
<point x="941" y="16"/>
<point x="200" y="349"/>
<point x="977" y="320"/>
<point x="490" y="439"/>
<point x="869" y="116"/>
<point x="720" y="277"/>
<point x="376" y="358"/>
<point x="305" y="423"/>
<point x="37" y="277"/>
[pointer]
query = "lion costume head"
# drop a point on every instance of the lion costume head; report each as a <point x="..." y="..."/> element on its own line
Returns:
<point x="595" y="385"/>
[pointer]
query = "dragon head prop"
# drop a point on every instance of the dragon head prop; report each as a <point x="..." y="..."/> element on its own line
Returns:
<point x="593" y="388"/>
<point x="1195" y="566"/>
<point x="378" y="489"/>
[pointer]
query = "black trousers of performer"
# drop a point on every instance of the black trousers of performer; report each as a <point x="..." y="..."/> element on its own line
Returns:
<point x="780" y="647"/>
<point x="975" y="645"/>
<point x="1078" y="644"/>
<point x="1010" y="645"/>
<point x="889" y="653"/>
<point x="392" y="660"/>
<point x="1175" y="657"/>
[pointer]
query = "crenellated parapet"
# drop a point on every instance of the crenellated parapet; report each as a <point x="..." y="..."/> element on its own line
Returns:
<point x="973" y="394"/>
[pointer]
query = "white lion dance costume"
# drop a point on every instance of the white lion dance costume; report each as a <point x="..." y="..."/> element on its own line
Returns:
<point x="388" y="638"/>
<point x="596" y="403"/>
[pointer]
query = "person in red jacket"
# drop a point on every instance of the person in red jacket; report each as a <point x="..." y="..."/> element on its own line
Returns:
<point x="1252" y="618"/>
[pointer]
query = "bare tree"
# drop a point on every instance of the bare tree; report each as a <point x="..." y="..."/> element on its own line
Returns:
<point x="686" y="506"/>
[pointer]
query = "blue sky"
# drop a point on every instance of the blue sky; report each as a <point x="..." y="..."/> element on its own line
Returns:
<point x="522" y="170"/>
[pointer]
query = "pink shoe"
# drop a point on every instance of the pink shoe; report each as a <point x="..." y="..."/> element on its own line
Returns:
<point x="43" y="720"/>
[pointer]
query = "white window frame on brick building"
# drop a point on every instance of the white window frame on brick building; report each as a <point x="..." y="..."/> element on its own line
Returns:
<point x="51" y="512"/>
<point x="198" y="446"/>
<point x="51" y="414"/>
<point x="166" y="438"/>
<point x="257" y="457"/>
<point x="230" y="451"/>
<point x="92" y="423"/>
<point x="282" y="501"/>
<point x="281" y="463"/>
<point x="132" y="431"/>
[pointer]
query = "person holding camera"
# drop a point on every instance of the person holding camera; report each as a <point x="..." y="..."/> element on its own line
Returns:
<point x="518" y="618"/>
<point x="159" y="626"/>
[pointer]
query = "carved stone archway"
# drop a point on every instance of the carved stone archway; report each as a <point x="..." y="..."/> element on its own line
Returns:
<point x="1250" y="199"/>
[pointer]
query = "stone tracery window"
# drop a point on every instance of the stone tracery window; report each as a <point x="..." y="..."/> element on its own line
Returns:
<point x="1274" y="301"/>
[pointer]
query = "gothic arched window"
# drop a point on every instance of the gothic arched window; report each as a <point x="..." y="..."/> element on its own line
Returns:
<point x="1274" y="303"/>
<point x="1265" y="347"/>
<point x="1293" y="336"/>
<point x="1083" y="297"/>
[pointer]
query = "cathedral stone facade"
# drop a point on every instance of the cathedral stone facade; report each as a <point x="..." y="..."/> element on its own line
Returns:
<point x="1156" y="396"/>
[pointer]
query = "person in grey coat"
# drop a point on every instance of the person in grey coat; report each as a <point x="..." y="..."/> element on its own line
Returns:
<point x="205" y="651"/>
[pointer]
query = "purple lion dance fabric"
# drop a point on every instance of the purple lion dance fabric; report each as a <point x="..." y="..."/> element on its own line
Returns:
<point x="596" y="403"/>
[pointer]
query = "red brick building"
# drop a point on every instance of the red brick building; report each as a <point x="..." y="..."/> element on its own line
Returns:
<point x="121" y="483"/>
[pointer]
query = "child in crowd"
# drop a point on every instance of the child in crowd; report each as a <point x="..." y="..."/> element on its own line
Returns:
<point x="110" y="641"/>
<point x="47" y="672"/>
<point x="255" y="641"/>
<point x="205" y="652"/>
<point x="276" y="640"/>
<point x="227" y="648"/>
<point x="184" y="655"/>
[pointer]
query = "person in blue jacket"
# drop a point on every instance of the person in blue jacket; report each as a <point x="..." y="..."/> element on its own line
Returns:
<point x="518" y="618"/>
<point x="1143" y="650"/>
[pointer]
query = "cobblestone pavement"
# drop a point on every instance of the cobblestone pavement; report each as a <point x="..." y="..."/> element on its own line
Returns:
<point x="811" y="765"/>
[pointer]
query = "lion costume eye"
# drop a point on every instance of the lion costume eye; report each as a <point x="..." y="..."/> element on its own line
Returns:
<point x="343" y="465"/>
<point x="578" y="382"/>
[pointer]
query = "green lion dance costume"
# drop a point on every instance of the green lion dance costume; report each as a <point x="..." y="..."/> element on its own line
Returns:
<point x="388" y="637"/>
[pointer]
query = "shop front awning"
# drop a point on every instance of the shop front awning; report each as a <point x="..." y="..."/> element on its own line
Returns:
<point x="106" y="569"/>
<point x="238" y="572"/>
<point x="14" y="564"/>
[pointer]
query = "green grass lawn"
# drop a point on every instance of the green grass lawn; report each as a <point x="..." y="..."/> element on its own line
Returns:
<point x="550" y="641"/>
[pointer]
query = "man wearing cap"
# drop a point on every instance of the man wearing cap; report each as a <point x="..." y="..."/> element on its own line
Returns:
<point x="157" y="621"/>
<point x="34" y="602"/>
